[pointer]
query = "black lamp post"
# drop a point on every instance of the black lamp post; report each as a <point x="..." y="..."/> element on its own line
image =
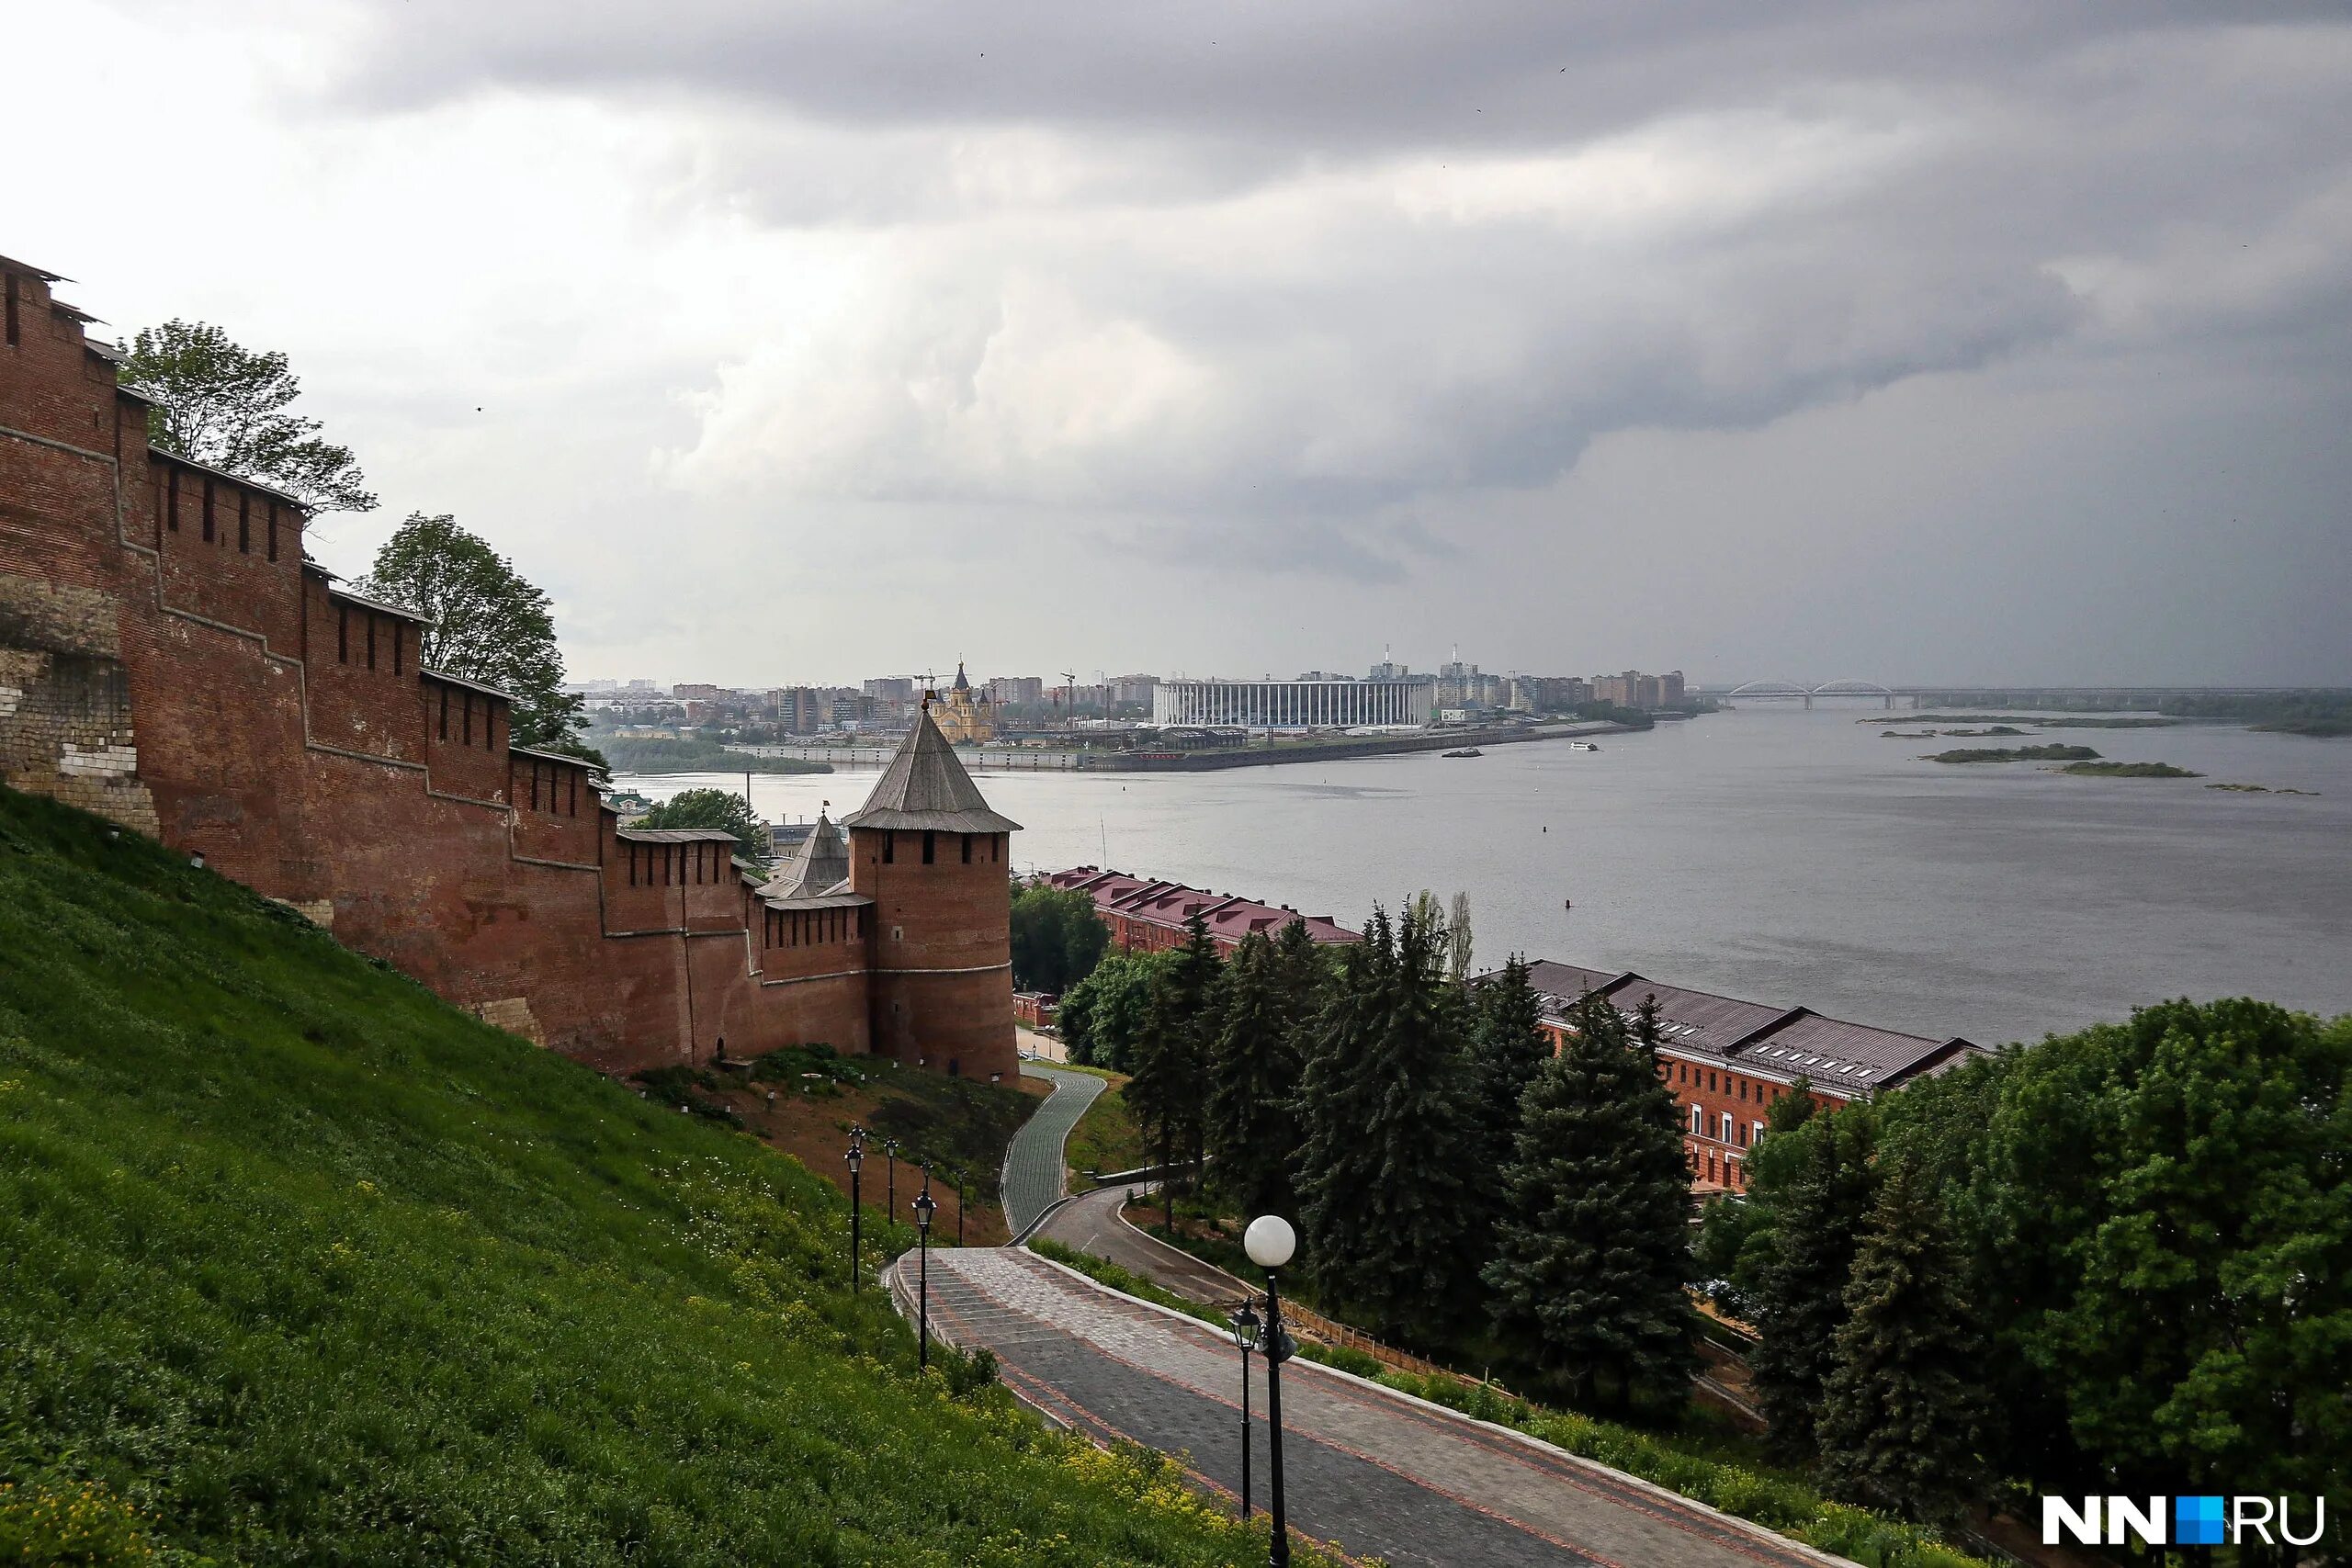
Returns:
<point x="924" y="1207"/>
<point x="856" y="1157"/>
<point x="959" y="1207"/>
<point x="1245" y="1335"/>
<point x="1270" y="1242"/>
<point x="890" y="1197"/>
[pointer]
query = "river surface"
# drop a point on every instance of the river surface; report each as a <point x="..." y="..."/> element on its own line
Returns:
<point x="1784" y="856"/>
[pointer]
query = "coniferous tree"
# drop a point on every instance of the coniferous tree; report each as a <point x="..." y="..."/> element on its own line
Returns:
<point x="1592" y="1251"/>
<point x="1508" y="1048"/>
<point x="1169" y="1093"/>
<point x="1904" y="1411"/>
<point x="1254" y="1073"/>
<point x="1816" y="1194"/>
<point x="1384" y="1191"/>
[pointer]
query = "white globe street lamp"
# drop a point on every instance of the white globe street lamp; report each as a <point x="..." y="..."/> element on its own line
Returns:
<point x="1270" y="1241"/>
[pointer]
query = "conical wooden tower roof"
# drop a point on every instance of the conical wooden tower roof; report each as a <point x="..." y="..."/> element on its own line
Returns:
<point x="819" y="865"/>
<point x="925" y="787"/>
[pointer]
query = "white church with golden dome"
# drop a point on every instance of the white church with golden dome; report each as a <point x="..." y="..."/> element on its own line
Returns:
<point x="965" y="717"/>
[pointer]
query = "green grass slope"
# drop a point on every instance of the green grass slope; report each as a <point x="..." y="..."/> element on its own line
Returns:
<point x="303" y="1265"/>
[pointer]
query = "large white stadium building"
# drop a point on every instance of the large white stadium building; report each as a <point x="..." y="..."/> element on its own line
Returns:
<point x="1278" y="705"/>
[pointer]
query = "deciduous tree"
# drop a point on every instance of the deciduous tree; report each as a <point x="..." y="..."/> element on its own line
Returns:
<point x="1058" y="938"/>
<point x="1102" y="1016"/>
<point x="715" y="808"/>
<point x="216" y="403"/>
<point x="489" y="623"/>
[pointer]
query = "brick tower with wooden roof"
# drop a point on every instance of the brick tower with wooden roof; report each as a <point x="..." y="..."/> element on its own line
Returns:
<point x="936" y="862"/>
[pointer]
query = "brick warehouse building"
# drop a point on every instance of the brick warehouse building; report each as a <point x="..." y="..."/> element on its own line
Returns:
<point x="1728" y="1060"/>
<point x="170" y="658"/>
<point x="1148" y="916"/>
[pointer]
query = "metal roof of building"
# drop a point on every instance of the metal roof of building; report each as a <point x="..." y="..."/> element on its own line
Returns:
<point x="1845" y="1058"/>
<point x="1171" y="904"/>
<point x="926" y="788"/>
<point x="676" y="835"/>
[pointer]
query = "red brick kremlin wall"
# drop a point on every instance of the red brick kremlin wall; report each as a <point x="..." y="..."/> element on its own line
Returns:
<point x="166" y="659"/>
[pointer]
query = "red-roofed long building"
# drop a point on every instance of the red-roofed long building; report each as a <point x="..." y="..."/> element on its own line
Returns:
<point x="1146" y="916"/>
<point x="1728" y="1060"/>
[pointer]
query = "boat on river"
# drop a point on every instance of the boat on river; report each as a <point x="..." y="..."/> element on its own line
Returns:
<point x="1466" y="752"/>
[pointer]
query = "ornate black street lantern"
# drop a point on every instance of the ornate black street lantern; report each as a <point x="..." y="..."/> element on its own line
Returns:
<point x="1245" y="1328"/>
<point x="856" y="1157"/>
<point x="924" y="1207"/>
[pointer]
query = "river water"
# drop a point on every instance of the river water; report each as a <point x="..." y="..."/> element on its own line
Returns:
<point x="1785" y="856"/>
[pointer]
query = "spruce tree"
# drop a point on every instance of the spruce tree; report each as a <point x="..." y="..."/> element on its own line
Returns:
<point x="1816" y="1192"/>
<point x="1592" y="1252"/>
<point x="1904" y="1411"/>
<point x="1253" y="1082"/>
<point x="1386" y="1204"/>
<point x="1508" y="1048"/>
<point x="1168" y="1091"/>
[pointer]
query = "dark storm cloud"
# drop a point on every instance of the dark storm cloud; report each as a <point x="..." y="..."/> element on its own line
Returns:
<point x="1306" y="288"/>
<point x="1331" y="76"/>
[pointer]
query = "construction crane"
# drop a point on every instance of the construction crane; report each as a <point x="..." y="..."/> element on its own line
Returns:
<point x="1069" y="695"/>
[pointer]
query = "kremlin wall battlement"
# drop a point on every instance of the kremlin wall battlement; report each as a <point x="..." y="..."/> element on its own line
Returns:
<point x="168" y="658"/>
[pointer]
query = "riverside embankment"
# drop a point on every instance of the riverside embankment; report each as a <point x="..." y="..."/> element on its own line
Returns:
<point x="1028" y="759"/>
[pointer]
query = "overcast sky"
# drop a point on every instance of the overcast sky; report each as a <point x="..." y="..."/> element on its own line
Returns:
<point x="1967" y="341"/>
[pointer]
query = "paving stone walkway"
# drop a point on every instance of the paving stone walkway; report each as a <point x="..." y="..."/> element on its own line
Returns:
<point x="1368" y="1472"/>
<point x="1033" y="1167"/>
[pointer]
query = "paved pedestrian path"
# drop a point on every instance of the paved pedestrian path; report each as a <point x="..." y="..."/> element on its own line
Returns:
<point x="1033" y="1162"/>
<point x="1369" y="1471"/>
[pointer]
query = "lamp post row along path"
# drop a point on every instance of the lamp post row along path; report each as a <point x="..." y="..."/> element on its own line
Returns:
<point x="1351" y="1463"/>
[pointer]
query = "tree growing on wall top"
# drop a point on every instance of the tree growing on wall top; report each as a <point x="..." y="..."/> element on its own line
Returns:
<point x="489" y="625"/>
<point x="715" y="808"/>
<point x="214" y="403"/>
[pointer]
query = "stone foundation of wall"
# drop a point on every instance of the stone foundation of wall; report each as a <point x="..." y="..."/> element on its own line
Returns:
<point x="66" y="727"/>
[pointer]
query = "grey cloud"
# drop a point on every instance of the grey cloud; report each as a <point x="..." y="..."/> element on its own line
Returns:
<point x="1337" y="76"/>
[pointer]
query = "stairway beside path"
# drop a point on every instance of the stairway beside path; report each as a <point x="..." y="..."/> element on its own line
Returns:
<point x="1033" y="1165"/>
<point x="1369" y="1470"/>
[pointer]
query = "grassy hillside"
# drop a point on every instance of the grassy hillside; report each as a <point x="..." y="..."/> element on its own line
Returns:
<point x="303" y="1265"/>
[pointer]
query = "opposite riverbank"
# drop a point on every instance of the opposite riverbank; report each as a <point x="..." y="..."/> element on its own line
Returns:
<point x="1027" y="760"/>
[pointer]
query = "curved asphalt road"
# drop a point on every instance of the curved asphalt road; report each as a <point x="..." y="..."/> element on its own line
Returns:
<point x="1369" y="1470"/>
<point x="1093" y="1223"/>
<point x="1033" y="1162"/>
